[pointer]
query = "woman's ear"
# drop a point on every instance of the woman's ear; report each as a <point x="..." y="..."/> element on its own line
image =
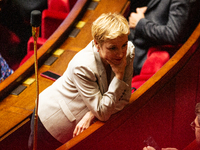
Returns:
<point x="97" y="45"/>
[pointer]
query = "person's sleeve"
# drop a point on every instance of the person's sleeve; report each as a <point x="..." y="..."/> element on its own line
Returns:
<point x="171" y="32"/>
<point x="101" y="105"/>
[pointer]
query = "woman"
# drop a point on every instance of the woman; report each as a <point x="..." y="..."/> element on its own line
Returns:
<point x="97" y="83"/>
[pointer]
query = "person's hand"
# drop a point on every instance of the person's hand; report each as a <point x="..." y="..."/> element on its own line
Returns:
<point x="84" y="123"/>
<point x="169" y="149"/>
<point x="135" y="17"/>
<point x="119" y="69"/>
<point x="141" y="9"/>
<point x="149" y="148"/>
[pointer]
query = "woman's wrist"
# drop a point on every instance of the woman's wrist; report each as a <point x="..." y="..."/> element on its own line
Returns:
<point x="90" y="115"/>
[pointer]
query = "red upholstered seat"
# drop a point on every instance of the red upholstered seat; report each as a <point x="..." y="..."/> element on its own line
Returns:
<point x="30" y="45"/>
<point x="59" y="5"/>
<point x="52" y="17"/>
<point x="30" y="48"/>
<point x="156" y="58"/>
<point x="55" y="14"/>
<point x="51" y="20"/>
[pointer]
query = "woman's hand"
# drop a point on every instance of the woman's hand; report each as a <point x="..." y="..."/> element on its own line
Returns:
<point x="151" y="148"/>
<point x="119" y="69"/>
<point x="169" y="149"/>
<point x="84" y="123"/>
<point x="148" y="148"/>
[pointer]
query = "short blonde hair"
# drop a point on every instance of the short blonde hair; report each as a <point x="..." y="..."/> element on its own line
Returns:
<point x="109" y="26"/>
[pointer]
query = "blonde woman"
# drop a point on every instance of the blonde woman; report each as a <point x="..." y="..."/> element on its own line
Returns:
<point x="96" y="84"/>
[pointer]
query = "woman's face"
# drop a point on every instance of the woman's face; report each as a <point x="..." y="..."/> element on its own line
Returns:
<point x="113" y="50"/>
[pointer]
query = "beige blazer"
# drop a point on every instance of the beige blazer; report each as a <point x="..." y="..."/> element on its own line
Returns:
<point x="83" y="87"/>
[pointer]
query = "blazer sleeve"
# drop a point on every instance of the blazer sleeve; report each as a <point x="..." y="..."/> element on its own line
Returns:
<point x="171" y="32"/>
<point x="103" y="105"/>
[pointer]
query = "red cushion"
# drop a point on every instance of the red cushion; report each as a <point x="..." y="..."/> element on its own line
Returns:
<point x="138" y="80"/>
<point x="51" y="21"/>
<point x="30" y="48"/>
<point x="59" y="5"/>
<point x="156" y="58"/>
<point x="30" y="44"/>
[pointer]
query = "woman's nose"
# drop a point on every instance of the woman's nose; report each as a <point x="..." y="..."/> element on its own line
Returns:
<point x="120" y="53"/>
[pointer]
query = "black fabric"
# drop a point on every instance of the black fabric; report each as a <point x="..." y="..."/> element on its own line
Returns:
<point x="26" y="6"/>
<point x="138" y="3"/>
<point x="45" y="141"/>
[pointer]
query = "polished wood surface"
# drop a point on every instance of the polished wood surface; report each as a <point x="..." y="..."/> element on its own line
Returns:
<point x="15" y="110"/>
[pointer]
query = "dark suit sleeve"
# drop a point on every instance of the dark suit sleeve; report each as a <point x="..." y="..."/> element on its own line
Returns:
<point x="137" y="3"/>
<point x="169" y="33"/>
<point x="25" y="7"/>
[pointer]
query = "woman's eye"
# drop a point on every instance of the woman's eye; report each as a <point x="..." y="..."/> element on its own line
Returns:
<point x="112" y="48"/>
<point x="124" y="45"/>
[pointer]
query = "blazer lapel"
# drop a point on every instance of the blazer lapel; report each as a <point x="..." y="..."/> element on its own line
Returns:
<point x="152" y="3"/>
<point x="102" y="78"/>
